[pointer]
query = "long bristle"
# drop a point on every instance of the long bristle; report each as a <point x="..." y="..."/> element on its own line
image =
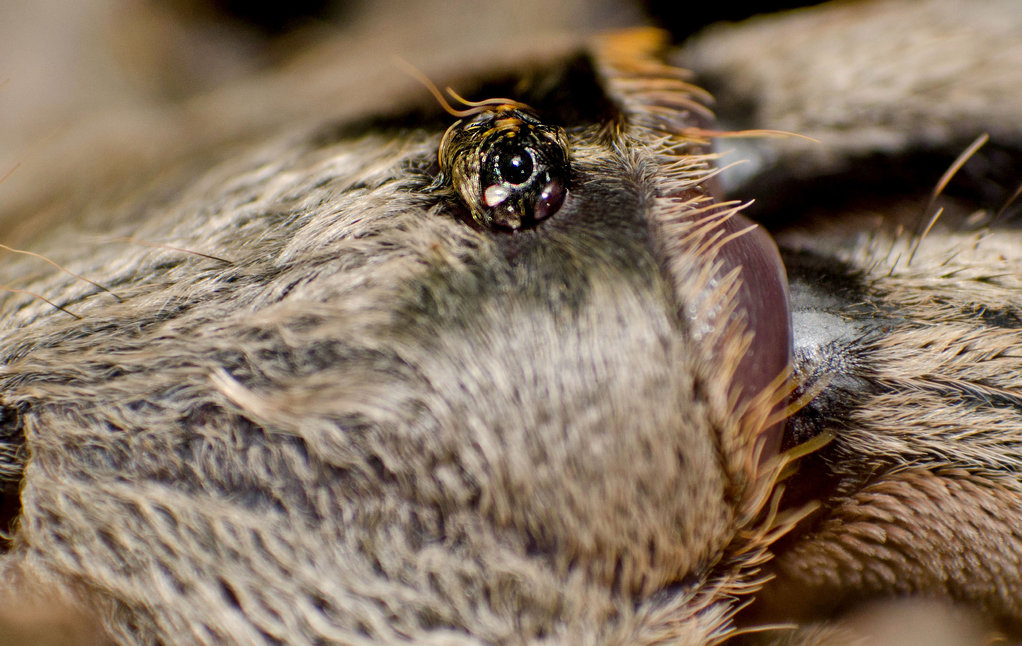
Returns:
<point x="156" y="245"/>
<point x="942" y="183"/>
<point x="705" y="133"/>
<point x="10" y="172"/>
<point x="67" y="271"/>
<point x="485" y="105"/>
<point x="474" y="107"/>
<point x="17" y="290"/>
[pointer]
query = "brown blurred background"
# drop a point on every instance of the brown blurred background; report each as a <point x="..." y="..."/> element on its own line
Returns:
<point x="62" y="61"/>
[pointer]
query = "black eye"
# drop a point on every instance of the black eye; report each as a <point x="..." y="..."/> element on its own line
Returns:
<point x="515" y="167"/>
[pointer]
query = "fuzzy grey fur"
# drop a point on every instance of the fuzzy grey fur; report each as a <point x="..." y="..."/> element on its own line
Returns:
<point x="364" y="421"/>
<point x="324" y="409"/>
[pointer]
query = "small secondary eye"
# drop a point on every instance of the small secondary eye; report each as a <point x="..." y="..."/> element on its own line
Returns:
<point x="550" y="200"/>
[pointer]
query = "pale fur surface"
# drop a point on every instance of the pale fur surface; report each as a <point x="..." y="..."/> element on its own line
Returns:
<point x="357" y="420"/>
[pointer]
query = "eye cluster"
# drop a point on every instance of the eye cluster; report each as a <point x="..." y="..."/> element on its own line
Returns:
<point x="511" y="169"/>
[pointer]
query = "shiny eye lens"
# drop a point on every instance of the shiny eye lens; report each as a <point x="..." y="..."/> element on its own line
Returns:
<point x="516" y="167"/>
<point x="550" y="200"/>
